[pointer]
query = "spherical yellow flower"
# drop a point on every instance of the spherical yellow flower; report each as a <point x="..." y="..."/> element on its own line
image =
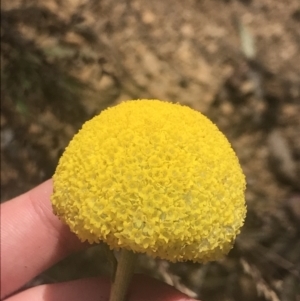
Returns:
<point x="152" y="177"/>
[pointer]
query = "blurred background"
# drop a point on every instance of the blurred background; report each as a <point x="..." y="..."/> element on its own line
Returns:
<point x="238" y="62"/>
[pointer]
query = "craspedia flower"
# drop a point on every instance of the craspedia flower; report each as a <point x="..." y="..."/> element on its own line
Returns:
<point x="152" y="177"/>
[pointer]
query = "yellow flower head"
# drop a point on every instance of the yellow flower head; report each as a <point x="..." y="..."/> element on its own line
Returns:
<point x="152" y="177"/>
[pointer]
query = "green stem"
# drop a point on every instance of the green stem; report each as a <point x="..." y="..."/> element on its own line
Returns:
<point x="123" y="276"/>
<point x="112" y="260"/>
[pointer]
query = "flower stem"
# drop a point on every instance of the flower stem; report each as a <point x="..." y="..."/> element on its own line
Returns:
<point x="111" y="258"/>
<point x="123" y="276"/>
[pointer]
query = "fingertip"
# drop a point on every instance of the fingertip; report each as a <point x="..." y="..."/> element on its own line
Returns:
<point x="34" y="237"/>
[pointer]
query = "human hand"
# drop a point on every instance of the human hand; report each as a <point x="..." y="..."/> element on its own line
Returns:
<point x="33" y="239"/>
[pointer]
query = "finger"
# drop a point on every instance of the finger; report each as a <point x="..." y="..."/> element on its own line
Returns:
<point x="32" y="238"/>
<point x="143" y="288"/>
<point x="87" y="289"/>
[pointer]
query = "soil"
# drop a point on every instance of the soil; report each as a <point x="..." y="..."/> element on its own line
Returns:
<point x="238" y="62"/>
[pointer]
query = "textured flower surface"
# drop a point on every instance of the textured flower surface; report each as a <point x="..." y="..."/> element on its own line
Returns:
<point x="152" y="177"/>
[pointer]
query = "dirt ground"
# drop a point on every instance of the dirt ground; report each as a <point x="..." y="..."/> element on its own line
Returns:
<point x="238" y="62"/>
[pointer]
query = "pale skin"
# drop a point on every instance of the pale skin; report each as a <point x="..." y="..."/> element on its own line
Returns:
<point x="33" y="239"/>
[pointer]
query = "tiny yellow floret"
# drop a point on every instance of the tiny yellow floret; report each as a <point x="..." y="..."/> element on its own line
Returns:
<point x="152" y="177"/>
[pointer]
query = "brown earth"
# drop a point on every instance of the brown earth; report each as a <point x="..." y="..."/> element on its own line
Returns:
<point x="238" y="62"/>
